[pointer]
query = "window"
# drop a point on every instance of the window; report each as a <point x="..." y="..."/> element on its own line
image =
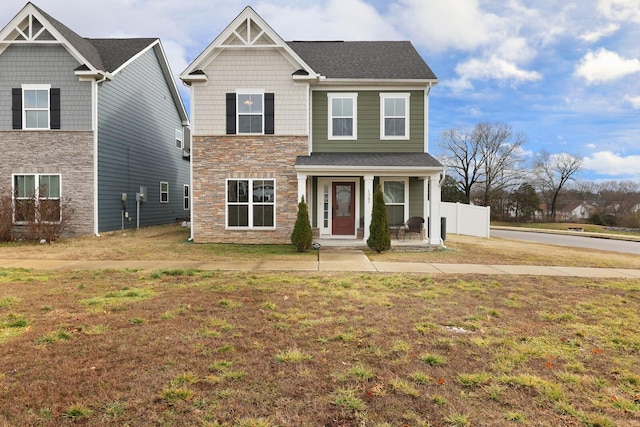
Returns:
<point x="35" y="104"/>
<point x="396" y="194"/>
<point x="251" y="203"/>
<point x="164" y="192"/>
<point x="36" y="198"/>
<point x="35" y="107"/>
<point x="394" y="116"/>
<point x="179" y="139"/>
<point x="343" y="113"/>
<point x="185" y="195"/>
<point x="250" y="111"/>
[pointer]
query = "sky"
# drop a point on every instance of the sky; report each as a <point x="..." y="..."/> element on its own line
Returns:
<point x="566" y="74"/>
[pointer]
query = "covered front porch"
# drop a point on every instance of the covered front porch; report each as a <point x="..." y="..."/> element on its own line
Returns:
<point x="339" y="188"/>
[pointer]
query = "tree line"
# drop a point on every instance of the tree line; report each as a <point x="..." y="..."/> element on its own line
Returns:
<point x="487" y="166"/>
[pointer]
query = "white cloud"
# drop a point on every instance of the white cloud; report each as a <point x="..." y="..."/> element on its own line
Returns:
<point x="620" y="10"/>
<point x="328" y="20"/>
<point x="591" y="146"/>
<point x="604" y="66"/>
<point x="594" y="36"/>
<point x="612" y="164"/>
<point x="635" y="101"/>
<point x="495" y="68"/>
<point x="443" y="25"/>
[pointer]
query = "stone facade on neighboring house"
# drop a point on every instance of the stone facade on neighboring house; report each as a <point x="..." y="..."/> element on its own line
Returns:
<point x="93" y="119"/>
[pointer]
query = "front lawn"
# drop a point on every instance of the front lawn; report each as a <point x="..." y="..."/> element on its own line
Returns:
<point x="259" y="349"/>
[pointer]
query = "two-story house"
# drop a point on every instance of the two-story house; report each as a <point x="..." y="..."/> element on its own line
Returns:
<point x="90" y="120"/>
<point x="274" y="121"/>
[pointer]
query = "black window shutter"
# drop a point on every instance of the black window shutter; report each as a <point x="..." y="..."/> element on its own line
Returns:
<point x="269" y="125"/>
<point x="231" y="114"/>
<point x="54" y="105"/>
<point x="16" y="107"/>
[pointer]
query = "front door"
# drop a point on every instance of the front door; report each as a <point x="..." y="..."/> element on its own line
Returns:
<point x="344" y="209"/>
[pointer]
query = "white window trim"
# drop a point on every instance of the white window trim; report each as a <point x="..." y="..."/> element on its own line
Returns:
<point x="340" y="95"/>
<point x="186" y="197"/>
<point x="250" y="204"/>
<point x="406" y="192"/>
<point x="179" y="139"/>
<point x="164" y="192"/>
<point x="26" y="87"/>
<point x="404" y="96"/>
<point x="249" y="92"/>
<point x="36" y="195"/>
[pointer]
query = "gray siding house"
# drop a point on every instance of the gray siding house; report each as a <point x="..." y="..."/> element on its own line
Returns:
<point x="275" y="121"/>
<point x="88" y="120"/>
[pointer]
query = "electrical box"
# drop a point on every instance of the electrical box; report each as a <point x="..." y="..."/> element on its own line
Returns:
<point x="142" y="195"/>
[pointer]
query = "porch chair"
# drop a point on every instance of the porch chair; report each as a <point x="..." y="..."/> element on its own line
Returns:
<point x="415" y="224"/>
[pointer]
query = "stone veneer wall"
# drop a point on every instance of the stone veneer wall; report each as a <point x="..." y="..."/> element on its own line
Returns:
<point x="69" y="154"/>
<point x="216" y="158"/>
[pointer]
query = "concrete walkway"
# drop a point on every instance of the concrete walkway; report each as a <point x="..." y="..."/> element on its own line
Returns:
<point x="328" y="260"/>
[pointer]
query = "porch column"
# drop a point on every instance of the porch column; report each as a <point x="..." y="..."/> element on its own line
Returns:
<point x="434" y="209"/>
<point x="368" y="204"/>
<point x="302" y="188"/>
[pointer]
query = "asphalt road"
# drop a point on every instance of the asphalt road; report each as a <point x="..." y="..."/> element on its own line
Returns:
<point x="570" y="240"/>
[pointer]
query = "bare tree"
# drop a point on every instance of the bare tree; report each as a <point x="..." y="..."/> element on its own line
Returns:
<point x="461" y="155"/>
<point x="553" y="172"/>
<point x="501" y="152"/>
<point x="487" y="155"/>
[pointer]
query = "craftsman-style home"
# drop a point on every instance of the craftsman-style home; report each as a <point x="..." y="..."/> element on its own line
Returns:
<point x="275" y="121"/>
<point x="96" y="122"/>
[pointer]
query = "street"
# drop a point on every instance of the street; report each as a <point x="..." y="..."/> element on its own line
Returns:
<point x="570" y="240"/>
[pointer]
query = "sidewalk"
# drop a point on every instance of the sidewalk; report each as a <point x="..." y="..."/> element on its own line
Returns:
<point x="329" y="260"/>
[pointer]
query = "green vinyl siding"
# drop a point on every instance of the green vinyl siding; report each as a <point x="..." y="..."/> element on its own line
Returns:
<point x="416" y="197"/>
<point x="368" y="122"/>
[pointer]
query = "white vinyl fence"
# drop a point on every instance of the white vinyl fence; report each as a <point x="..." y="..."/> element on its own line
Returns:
<point x="466" y="219"/>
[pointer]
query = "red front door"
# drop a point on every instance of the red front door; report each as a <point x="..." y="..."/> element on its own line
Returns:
<point x="344" y="209"/>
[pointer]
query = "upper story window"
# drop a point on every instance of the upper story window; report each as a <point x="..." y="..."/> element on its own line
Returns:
<point x="250" y="112"/>
<point x="343" y="115"/>
<point x="394" y="116"/>
<point x="179" y="139"/>
<point x="35" y="107"/>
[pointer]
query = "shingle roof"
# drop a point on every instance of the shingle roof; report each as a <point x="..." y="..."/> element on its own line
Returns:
<point x="86" y="49"/>
<point x="102" y="54"/>
<point x="364" y="59"/>
<point x="115" y="52"/>
<point x="411" y="160"/>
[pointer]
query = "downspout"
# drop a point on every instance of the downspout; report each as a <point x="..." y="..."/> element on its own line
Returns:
<point x="94" y="120"/>
<point x="191" y="156"/>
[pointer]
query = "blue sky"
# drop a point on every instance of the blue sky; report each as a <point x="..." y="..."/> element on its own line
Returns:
<point x="564" y="73"/>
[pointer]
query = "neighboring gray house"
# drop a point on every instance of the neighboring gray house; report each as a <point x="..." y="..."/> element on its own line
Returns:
<point x="330" y="121"/>
<point x="88" y="120"/>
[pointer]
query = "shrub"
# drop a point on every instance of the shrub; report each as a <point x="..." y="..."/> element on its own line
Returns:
<point x="302" y="237"/>
<point x="48" y="221"/>
<point x="379" y="235"/>
<point x="6" y="215"/>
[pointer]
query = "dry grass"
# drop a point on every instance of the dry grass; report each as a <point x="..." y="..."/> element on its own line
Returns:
<point x="247" y="349"/>
<point x="170" y="243"/>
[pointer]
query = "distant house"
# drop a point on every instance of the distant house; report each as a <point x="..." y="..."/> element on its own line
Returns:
<point x="91" y="120"/>
<point x="275" y="121"/>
